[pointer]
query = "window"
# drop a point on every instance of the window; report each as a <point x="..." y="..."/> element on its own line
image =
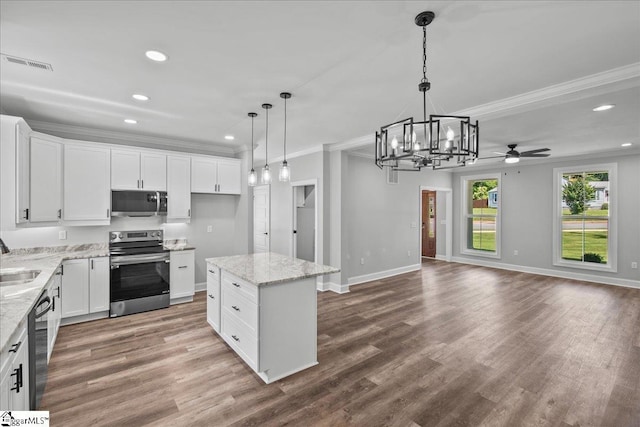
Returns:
<point x="480" y="222"/>
<point x="584" y="223"/>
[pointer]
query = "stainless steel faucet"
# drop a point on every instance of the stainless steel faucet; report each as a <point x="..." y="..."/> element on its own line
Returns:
<point x="4" y="248"/>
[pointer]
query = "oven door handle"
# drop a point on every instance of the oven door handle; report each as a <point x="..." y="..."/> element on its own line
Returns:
<point x="137" y="259"/>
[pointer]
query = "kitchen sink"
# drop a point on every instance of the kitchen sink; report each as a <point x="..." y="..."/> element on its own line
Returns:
<point x="17" y="277"/>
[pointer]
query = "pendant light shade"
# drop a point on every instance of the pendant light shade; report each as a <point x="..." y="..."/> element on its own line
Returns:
<point x="252" y="178"/>
<point x="266" y="174"/>
<point x="285" y="172"/>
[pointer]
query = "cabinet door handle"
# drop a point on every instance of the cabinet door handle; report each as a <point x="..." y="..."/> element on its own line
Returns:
<point x="107" y="213"/>
<point x="14" y="347"/>
<point x="235" y="308"/>
<point x="92" y="264"/>
<point x="59" y="213"/>
<point x="235" y="337"/>
<point x="142" y="183"/>
<point x="183" y="266"/>
<point x="235" y="284"/>
<point x="189" y="212"/>
<point x="211" y="271"/>
<point x="211" y="296"/>
<point x="18" y="374"/>
<point x="26" y="214"/>
<point x="138" y="184"/>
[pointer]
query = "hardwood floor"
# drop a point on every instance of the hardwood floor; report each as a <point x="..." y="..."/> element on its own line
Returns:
<point x="448" y="345"/>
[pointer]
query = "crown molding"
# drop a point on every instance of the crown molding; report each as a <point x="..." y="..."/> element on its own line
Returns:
<point x="621" y="77"/>
<point x="306" y="152"/>
<point x="122" y="138"/>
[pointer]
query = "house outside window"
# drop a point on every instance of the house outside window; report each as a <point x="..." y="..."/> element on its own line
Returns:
<point x="481" y="215"/>
<point x="585" y="217"/>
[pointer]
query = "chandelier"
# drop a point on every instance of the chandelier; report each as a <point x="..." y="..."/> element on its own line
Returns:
<point x="409" y="145"/>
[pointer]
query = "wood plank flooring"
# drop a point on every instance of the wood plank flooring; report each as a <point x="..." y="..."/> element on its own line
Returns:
<point x="448" y="345"/>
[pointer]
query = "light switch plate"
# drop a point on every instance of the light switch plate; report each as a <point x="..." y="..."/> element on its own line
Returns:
<point x="62" y="235"/>
<point x="209" y="228"/>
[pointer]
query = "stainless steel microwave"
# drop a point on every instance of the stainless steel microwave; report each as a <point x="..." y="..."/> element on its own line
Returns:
<point x="138" y="203"/>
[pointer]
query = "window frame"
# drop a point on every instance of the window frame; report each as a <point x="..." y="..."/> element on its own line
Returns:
<point x="464" y="217"/>
<point x="612" y="234"/>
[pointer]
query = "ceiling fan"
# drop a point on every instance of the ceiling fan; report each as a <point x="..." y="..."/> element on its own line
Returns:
<point x="513" y="156"/>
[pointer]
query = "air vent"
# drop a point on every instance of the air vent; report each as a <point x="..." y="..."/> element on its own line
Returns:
<point x="27" y="62"/>
<point x="392" y="176"/>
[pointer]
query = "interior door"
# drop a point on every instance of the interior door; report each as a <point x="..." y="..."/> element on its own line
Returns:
<point x="429" y="224"/>
<point x="261" y="210"/>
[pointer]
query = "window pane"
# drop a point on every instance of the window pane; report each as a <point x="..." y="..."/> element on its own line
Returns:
<point x="572" y="239"/>
<point x="596" y="233"/>
<point x="484" y="197"/>
<point x="484" y="234"/>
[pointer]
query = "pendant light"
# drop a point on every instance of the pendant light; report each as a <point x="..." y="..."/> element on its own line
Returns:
<point x="266" y="175"/>
<point x="285" y="172"/>
<point x="253" y="178"/>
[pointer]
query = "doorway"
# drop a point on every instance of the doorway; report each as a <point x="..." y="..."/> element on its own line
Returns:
<point x="261" y="213"/>
<point x="303" y="245"/>
<point x="441" y="221"/>
<point x="429" y="221"/>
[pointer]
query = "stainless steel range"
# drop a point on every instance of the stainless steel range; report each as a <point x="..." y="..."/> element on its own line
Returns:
<point x="139" y="272"/>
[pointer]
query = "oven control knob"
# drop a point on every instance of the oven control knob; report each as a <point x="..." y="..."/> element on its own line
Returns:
<point x="153" y="234"/>
<point x="119" y="235"/>
<point x="113" y="236"/>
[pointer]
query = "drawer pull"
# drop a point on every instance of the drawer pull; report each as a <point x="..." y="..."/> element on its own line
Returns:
<point x="14" y="347"/>
<point x="235" y="284"/>
<point x="211" y="296"/>
<point x="183" y="266"/>
<point x="212" y="272"/>
<point x="235" y="337"/>
<point x="235" y="308"/>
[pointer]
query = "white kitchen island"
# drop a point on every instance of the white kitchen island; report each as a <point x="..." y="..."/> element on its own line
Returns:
<point x="265" y="307"/>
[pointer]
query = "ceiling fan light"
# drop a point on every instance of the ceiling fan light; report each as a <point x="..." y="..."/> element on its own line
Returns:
<point x="511" y="159"/>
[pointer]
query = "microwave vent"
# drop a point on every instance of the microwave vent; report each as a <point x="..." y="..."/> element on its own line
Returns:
<point x="27" y="62"/>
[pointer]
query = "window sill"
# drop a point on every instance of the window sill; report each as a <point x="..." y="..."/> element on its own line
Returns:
<point x="483" y="254"/>
<point x="609" y="268"/>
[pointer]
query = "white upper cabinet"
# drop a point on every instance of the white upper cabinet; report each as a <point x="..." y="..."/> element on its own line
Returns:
<point x="136" y="170"/>
<point x="22" y="132"/>
<point x="215" y="176"/>
<point x="178" y="187"/>
<point x="45" y="179"/>
<point x="87" y="183"/>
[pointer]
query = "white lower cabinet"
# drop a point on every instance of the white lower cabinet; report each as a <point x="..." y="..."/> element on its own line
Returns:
<point x="85" y="286"/>
<point x="213" y="296"/>
<point x="273" y="327"/>
<point x="182" y="275"/>
<point x="14" y="372"/>
<point x="55" y="314"/>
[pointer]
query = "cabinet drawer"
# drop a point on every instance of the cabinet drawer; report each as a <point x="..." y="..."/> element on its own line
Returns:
<point x="240" y="339"/>
<point x="236" y="305"/>
<point x="244" y="288"/>
<point x="213" y="273"/>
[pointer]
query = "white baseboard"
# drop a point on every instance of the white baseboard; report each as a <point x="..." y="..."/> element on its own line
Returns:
<point x="202" y="286"/>
<point x="627" y="283"/>
<point x="441" y="257"/>
<point x="333" y="287"/>
<point x="382" y="274"/>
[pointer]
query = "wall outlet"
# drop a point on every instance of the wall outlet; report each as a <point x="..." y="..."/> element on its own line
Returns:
<point x="634" y="265"/>
<point x="209" y="228"/>
<point x="515" y="252"/>
<point x="414" y="225"/>
<point x="361" y="261"/>
<point x="62" y="235"/>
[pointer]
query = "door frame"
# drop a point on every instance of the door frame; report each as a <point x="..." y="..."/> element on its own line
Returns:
<point x="448" y="219"/>
<point x="302" y="183"/>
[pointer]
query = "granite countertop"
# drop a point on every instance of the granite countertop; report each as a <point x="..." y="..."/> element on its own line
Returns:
<point x="177" y="245"/>
<point x="17" y="300"/>
<point x="269" y="267"/>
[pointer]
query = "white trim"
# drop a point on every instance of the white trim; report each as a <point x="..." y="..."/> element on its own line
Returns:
<point x="121" y="138"/>
<point x="200" y="287"/>
<point x="612" y="239"/>
<point x="268" y="380"/>
<point x="585" y="277"/>
<point x="333" y="287"/>
<point x="356" y="280"/>
<point x="463" y="215"/>
<point x="504" y="106"/>
<point x="442" y="258"/>
<point x="301" y="153"/>
<point x="84" y="318"/>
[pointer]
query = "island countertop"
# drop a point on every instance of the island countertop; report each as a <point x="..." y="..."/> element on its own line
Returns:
<point x="269" y="267"/>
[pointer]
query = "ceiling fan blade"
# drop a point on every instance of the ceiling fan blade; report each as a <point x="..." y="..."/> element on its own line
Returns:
<point x="534" y="155"/>
<point x="496" y="152"/>
<point x="491" y="157"/>
<point x="539" y="150"/>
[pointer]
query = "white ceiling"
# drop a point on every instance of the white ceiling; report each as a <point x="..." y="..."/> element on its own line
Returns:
<point x="352" y="66"/>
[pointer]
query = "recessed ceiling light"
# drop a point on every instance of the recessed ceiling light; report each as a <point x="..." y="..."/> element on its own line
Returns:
<point x="130" y="121"/>
<point x="229" y="137"/>
<point x="155" y="55"/>
<point x="604" y="107"/>
<point x="627" y="144"/>
<point x="140" y="97"/>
